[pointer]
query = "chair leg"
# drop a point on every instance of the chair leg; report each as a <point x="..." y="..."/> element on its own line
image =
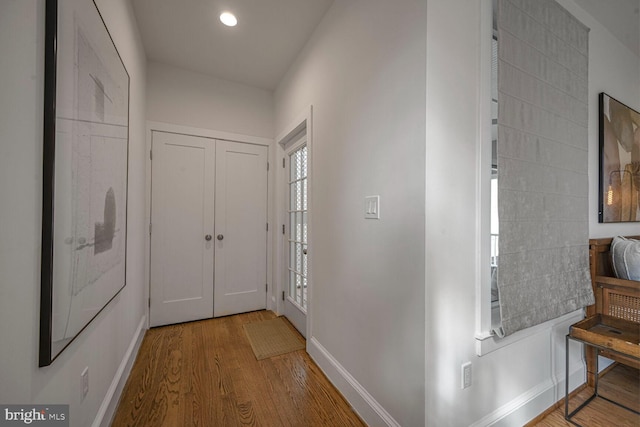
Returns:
<point x="591" y="357"/>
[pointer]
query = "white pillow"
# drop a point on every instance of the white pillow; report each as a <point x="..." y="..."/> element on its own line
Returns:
<point x="625" y="257"/>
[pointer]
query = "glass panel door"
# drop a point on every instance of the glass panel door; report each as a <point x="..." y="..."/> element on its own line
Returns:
<point x="297" y="238"/>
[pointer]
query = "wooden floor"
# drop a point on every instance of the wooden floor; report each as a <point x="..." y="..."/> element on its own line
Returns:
<point x="621" y="384"/>
<point x="205" y="374"/>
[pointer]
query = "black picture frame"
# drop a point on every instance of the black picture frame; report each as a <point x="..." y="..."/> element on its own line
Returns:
<point x="85" y="173"/>
<point x="619" y="161"/>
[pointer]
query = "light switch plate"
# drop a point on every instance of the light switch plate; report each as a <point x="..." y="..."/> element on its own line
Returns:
<point x="372" y="207"/>
<point x="465" y="373"/>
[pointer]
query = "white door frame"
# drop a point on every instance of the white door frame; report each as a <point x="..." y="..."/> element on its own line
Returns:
<point x="213" y="134"/>
<point x="303" y="121"/>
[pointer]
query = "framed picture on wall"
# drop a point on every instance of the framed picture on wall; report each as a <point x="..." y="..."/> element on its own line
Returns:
<point x="619" y="161"/>
<point x="85" y="165"/>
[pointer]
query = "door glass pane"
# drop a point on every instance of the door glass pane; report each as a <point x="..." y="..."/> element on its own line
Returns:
<point x="304" y="194"/>
<point x="298" y="289"/>
<point x="299" y="226"/>
<point x="304" y="262"/>
<point x="304" y="227"/>
<point x="298" y="266"/>
<point x="304" y="292"/>
<point x="292" y="255"/>
<point x="303" y="155"/>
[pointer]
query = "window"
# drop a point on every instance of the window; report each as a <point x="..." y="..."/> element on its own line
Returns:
<point x="495" y="222"/>
<point x="539" y="162"/>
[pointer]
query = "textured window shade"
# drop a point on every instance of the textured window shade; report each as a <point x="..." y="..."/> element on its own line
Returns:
<point x="542" y="163"/>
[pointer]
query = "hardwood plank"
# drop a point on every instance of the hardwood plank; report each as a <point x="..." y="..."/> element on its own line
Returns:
<point x="621" y="384"/>
<point x="205" y="374"/>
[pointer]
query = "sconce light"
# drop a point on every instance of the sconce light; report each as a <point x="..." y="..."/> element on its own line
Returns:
<point x="610" y="189"/>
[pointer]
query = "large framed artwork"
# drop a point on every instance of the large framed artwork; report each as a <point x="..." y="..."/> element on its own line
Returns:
<point x="619" y="162"/>
<point x="86" y="145"/>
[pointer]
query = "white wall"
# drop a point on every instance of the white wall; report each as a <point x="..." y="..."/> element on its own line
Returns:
<point x="104" y="343"/>
<point x="363" y="72"/>
<point x="517" y="382"/>
<point x="615" y="70"/>
<point x="182" y="97"/>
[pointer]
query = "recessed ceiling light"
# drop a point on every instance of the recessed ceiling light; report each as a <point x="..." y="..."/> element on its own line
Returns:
<point x="228" y="19"/>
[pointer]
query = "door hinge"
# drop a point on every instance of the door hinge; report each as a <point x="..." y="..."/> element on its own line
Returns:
<point x="282" y="295"/>
<point x="149" y="300"/>
<point x="282" y="228"/>
<point x="150" y="155"/>
<point x="266" y="287"/>
<point x="267" y="165"/>
<point x="149" y="228"/>
<point x="283" y="162"/>
<point x="267" y="226"/>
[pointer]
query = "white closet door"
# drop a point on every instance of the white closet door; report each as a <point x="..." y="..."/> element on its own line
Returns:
<point x="241" y="228"/>
<point x="182" y="217"/>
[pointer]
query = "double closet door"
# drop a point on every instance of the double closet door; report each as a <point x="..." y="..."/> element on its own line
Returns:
<point x="208" y="228"/>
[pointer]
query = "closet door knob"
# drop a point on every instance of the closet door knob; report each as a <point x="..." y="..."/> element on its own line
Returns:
<point x="207" y="237"/>
<point x="219" y="237"/>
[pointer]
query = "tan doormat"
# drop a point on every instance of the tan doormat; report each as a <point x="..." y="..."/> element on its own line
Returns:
<point x="272" y="337"/>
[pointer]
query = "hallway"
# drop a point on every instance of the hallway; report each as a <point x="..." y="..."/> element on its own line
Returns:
<point x="204" y="373"/>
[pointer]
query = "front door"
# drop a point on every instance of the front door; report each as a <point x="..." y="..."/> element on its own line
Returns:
<point x="295" y="305"/>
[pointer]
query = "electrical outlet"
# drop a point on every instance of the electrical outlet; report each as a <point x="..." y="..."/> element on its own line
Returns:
<point x="85" y="382"/>
<point x="466" y="375"/>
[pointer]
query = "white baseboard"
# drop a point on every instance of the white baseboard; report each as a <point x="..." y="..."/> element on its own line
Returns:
<point x="530" y="404"/>
<point x="110" y="402"/>
<point x="358" y="397"/>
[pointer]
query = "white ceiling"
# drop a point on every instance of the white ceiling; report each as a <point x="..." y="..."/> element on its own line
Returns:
<point x="620" y="17"/>
<point x="270" y="33"/>
<point x="257" y="52"/>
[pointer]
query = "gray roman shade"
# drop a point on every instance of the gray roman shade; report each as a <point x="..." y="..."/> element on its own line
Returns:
<point x="542" y="150"/>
